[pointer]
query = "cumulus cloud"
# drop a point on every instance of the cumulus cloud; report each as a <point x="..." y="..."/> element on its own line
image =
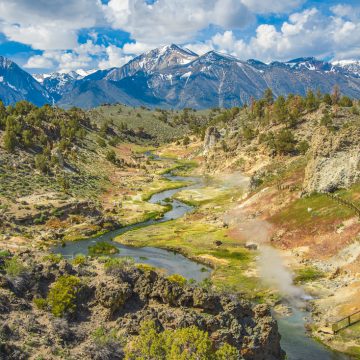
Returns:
<point x="84" y="56"/>
<point x="174" y="20"/>
<point x="115" y="58"/>
<point x="306" y="33"/>
<point x="273" y="6"/>
<point x="48" y="25"/>
<point x="54" y="26"/>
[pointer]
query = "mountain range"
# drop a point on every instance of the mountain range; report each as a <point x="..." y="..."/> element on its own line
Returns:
<point x="175" y="77"/>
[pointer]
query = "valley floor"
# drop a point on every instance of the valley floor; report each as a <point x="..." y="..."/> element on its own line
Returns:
<point x="317" y="239"/>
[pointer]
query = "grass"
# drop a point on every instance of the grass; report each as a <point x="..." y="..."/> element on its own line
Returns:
<point x="196" y="240"/>
<point x="314" y="208"/>
<point x="308" y="274"/>
<point x="180" y="167"/>
<point x="102" y="248"/>
<point x="162" y="185"/>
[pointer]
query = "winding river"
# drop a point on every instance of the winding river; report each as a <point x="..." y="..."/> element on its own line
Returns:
<point x="295" y="341"/>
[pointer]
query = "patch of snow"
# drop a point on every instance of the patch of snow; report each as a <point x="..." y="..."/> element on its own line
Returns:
<point x="1" y="79"/>
<point x="12" y="87"/>
<point x="186" y="75"/>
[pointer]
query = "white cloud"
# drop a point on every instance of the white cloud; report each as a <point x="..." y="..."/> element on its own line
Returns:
<point x="307" y="33"/>
<point x="115" y="58"/>
<point x="48" y="25"/>
<point x="138" y="48"/>
<point x="53" y="26"/>
<point x="39" y="62"/>
<point x="273" y="6"/>
<point x="200" y="48"/>
<point x="174" y="20"/>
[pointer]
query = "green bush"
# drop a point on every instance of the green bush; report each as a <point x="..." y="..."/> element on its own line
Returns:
<point x="118" y="263"/>
<point x="10" y="140"/>
<point x="14" y="266"/>
<point x="62" y="295"/>
<point x="40" y="303"/>
<point x="303" y="147"/>
<point x="285" y="142"/>
<point x="102" y="248"/>
<point x="345" y="101"/>
<point x="41" y="163"/>
<point x="4" y="253"/>
<point x="177" y="279"/>
<point x="188" y="343"/>
<point x="111" y="156"/>
<point x="53" y="258"/>
<point x="79" y="260"/>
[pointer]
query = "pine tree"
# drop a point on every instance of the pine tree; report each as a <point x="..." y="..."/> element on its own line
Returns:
<point x="268" y="96"/>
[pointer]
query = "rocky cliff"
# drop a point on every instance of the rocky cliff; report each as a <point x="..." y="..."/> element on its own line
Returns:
<point x="116" y="297"/>
<point x="334" y="160"/>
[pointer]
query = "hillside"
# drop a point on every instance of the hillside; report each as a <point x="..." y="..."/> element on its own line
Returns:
<point x="270" y="193"/>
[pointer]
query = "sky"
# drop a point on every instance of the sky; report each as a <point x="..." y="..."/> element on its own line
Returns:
<point x="65" y="35"/>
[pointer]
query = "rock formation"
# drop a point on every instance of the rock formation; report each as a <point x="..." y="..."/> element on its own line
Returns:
<point x="121" y="298"/>
<point x="334" y="162"/>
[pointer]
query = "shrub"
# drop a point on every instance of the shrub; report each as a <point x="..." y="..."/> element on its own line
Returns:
<point x="284" y="142"/>
<point x="111" y="156"/>
<point x="303" y="147"/>
<point x="345" y="101"/>
<point x="79" y="260"/>
<point x="14" y="266"/>
<point x="40" y="303"/>
<point x="10" y="140"/>
<point x="106" y="345"/>
<point x="188" y="343"/>
<point x="186" y="141"/>
<point x="326" y="120"/>
<point x="27" y="138"/>
<point x="101" y="142"/>
<point x="114" y="264"/>
<point x="41" y="163"/>
<point x="102" y="248"/>
<point x="146" y="267"/>
<point x="177" y="279"/>
<point x="62" y="295"/>
<point x="53" y="258"/>
<point x="4" y="253"/>
<point x="227" y="352"/>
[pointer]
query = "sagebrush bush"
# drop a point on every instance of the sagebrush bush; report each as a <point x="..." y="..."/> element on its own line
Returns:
<point x="177" y="279"/>
<point x="188" y="343"/>
<point x="14" y="266"/>
<point x="62" y="295"/>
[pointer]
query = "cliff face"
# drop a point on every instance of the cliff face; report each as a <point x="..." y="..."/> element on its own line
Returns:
<point x="334" y="160"/>
<point x="120" y="298"/>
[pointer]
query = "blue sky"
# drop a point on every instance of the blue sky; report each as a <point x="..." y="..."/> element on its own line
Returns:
<point x="65" y="35"/>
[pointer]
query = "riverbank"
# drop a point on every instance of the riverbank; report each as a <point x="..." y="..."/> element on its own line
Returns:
<point x="207" y="235"/>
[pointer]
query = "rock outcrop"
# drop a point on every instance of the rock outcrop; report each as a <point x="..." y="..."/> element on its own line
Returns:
<point x="335" y="161"/>
<point x="122" y="298"/>
<point x="212" y="136"/>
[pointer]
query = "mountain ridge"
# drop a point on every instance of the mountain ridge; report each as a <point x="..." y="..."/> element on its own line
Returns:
<point x="175" y="77"/>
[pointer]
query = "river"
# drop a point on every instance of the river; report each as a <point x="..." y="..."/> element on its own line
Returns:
<point x="294" y="338"/>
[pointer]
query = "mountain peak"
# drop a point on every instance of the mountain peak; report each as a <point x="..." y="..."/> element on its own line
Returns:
<point x="5" y="63"/>
<point x="217" y="56"/>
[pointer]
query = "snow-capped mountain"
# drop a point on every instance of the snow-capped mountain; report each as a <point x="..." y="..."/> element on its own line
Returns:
<point x="16" y="84"/>
<point x="56" y="83"/>
<point x="175" y="77"/>
<point x="351" y="66"/>
<point x="152" y="61"/>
